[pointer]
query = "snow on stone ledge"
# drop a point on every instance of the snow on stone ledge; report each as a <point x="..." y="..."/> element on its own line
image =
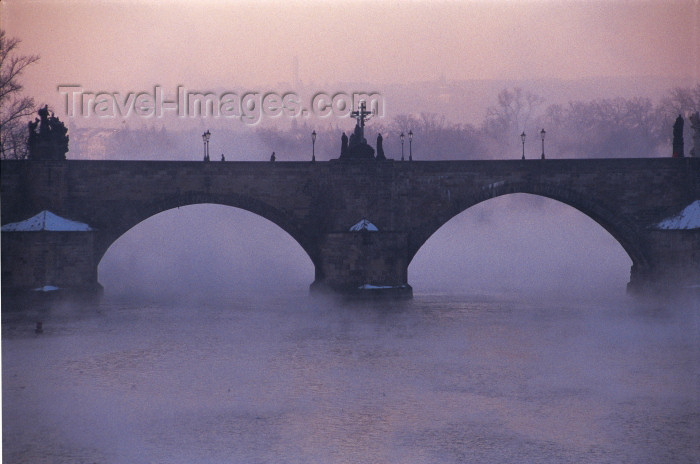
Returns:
<point x="378" y="287"/>
<point x="494" y="185"/>
<point x="46" y="288"/>
<point x="46" y="220"/>
<point x="364" y="225"/>
<point x="689" y="218"/>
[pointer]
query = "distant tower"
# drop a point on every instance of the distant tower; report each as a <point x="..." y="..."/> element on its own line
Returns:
<point x="295" y="70"/>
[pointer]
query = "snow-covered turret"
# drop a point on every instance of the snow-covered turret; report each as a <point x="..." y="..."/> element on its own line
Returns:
<point x="48" y="221"/>
<point x="57" y="253"/>
<point x="364" y="224"/>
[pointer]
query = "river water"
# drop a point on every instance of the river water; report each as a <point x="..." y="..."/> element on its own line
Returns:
<point x="295" y="379"/>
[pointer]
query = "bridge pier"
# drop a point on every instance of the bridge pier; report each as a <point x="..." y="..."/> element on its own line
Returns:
<point x="49" y="261"/>
<point x="363" y="264"/>
<point x="672" y="266"/>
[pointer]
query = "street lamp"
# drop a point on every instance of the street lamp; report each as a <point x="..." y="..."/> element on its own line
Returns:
<point x="410" y="145"/>
<point x="313" y="146"/>
<point x="205" y="139"/>
<point x="542" y="132"/>
<point x="522" y="137"/>
<point x="401" y="137"/>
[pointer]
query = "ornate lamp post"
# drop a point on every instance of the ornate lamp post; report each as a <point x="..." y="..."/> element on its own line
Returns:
<point x="313" y="146"/>
<point x="522" y="137"/>
<point x="205" y="139"/>
<point x="401" y="137"/>
<point x="410" y="145"/>
<point x="542" y="132"/>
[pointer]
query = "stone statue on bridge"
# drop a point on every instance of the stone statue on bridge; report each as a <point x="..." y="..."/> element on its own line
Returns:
<point x="48" y="139"/>
<point x="678" y="138"/>
<point x="357" y="147"/>
<point x="380" y="148"/>
<point x="343" y="144"/>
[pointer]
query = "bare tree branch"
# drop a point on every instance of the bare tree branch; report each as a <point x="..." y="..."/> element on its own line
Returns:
<point x="13" y="106"/>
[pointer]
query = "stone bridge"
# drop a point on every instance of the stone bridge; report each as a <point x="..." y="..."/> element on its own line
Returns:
<point x="318" y="202"/>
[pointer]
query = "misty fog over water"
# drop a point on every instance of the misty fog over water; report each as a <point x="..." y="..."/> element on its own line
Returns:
<point x="295" y="379"/>
<point x="520" y="346"/>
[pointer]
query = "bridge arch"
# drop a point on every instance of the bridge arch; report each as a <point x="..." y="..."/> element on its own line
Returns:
<point x="618" y="226"/>
<point x="524" y="243"/>
<point x="130" y="216"/>
<point x="597" y="209"/>
<point x="214" y="240"/>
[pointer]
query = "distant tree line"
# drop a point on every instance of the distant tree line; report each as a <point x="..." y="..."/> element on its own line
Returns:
<point x="604" y="128"/>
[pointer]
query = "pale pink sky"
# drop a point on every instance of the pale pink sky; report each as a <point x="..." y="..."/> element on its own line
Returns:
<point x="121" y="45"/>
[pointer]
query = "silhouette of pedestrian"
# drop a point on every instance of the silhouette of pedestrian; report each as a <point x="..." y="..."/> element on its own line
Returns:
<point x="222" y="157"/>
<point x="272" y="157"/>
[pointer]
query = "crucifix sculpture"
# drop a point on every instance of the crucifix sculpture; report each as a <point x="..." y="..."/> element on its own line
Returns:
<point x="361" y="115"/>
<point x="357" y="146"/>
